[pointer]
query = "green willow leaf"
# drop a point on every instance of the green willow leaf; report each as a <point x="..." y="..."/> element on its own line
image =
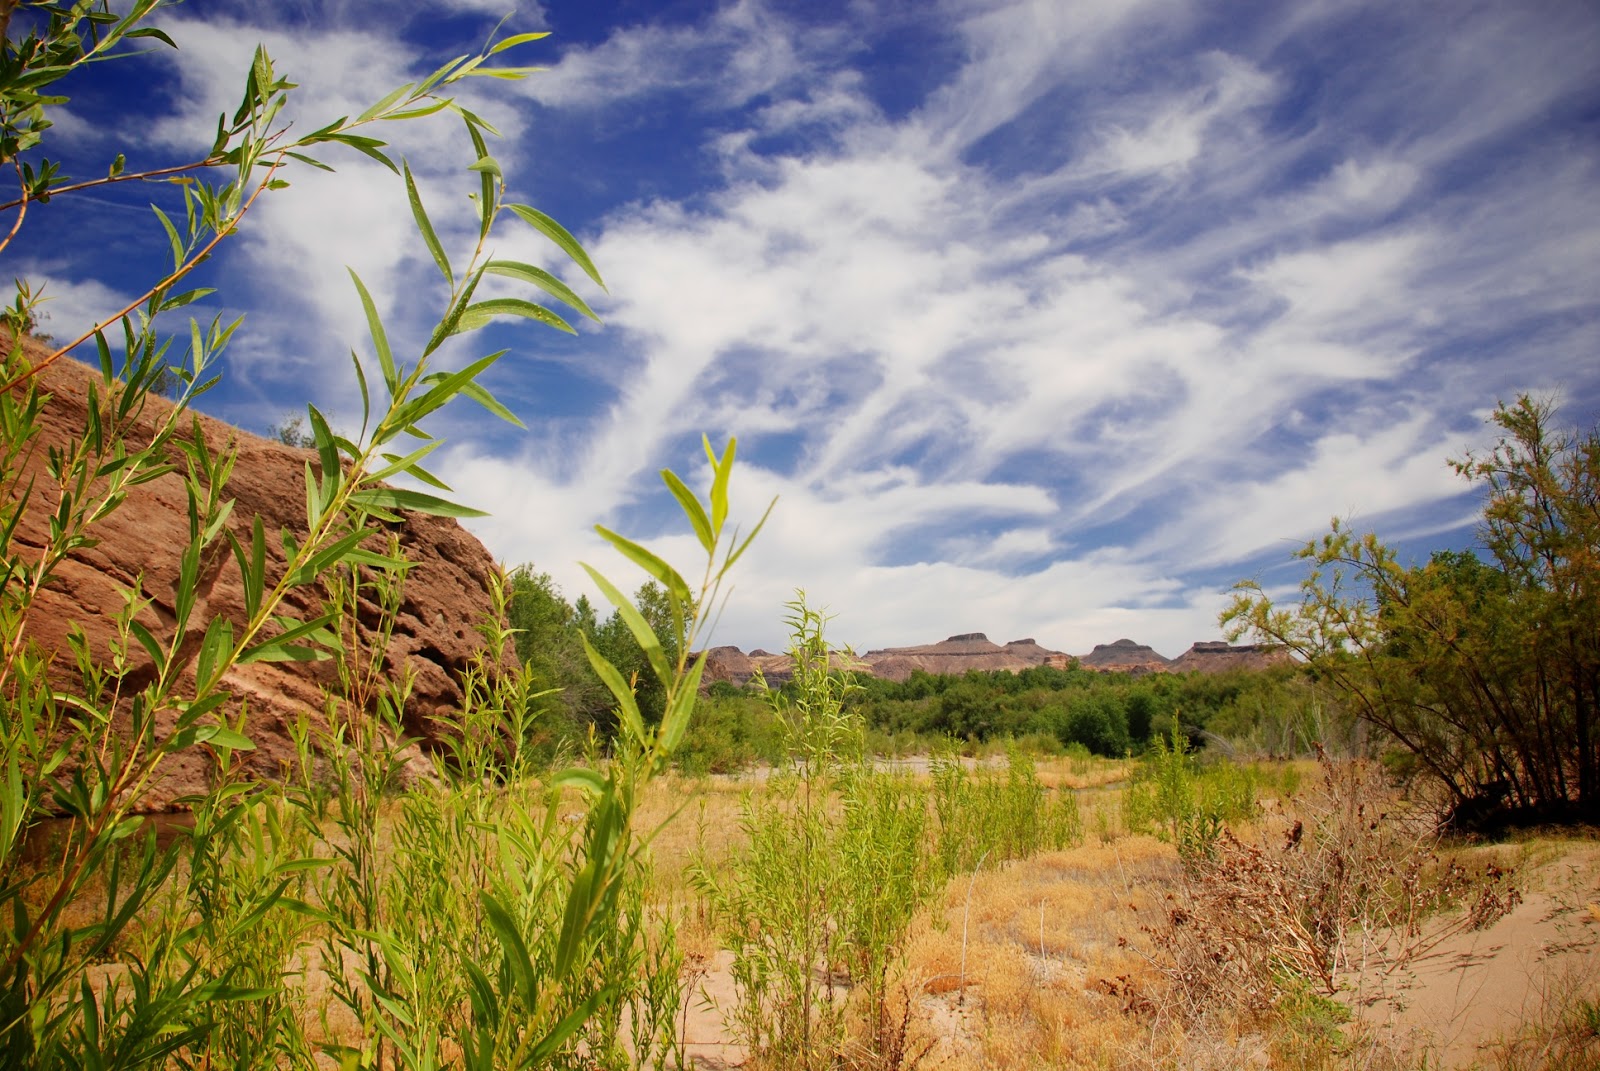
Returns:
<point x="395" y="498"/>
<point x="643" y="634"/>
<point x="545" y="281"/>
<point x="380" y="337"/>
<point x="518" y="39"/>
<point x="691" y="508"/>
<point x="475" y="316"/>
<point x="581" y="778"/>
<point x="514" y="948"/>
<point x="426" y="228"/>
<point x="385" y="104"/>
<point x="650" y="563"/>
<point x="627" y="705"/>
<point x="222" y="736"/>
<point x="558" y="234"/>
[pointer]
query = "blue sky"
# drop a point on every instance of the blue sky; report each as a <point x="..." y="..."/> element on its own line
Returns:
<point x="1042" y="319"/>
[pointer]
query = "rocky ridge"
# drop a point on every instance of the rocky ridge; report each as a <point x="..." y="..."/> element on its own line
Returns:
<point x="974" y="650"/>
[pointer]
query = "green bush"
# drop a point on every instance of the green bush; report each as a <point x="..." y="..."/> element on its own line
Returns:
<point x="1183" y="802"/>
<point x="820" y="892"/>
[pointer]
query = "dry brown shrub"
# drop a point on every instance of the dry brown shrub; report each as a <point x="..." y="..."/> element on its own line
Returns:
<point x="1353" y="889"/>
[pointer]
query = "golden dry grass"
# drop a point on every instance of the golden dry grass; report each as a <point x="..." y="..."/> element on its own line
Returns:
<point x="1052" y="961"/>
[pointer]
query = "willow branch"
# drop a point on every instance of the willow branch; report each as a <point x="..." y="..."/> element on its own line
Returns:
<point x="210" y="161"/>
<point x="222" y="232"/>
<point x="21" y="203"/>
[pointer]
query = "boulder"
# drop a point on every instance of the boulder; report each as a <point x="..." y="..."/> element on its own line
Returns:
<point x="137" y="548"/>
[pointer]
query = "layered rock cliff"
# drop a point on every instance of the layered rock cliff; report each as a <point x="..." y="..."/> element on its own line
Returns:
<point x="974" y="650"/>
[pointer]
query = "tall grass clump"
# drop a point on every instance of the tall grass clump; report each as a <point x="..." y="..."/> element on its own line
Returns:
<point x="816" y="908"/>
<point x="982" y="813"/>
<point x="1183" y="802"/>
<point x="1333" y="907"/>
<point x="352" y="910"/>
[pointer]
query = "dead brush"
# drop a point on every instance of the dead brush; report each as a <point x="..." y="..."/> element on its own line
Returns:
<point x="894" y="1041"/>
<point x="1348" y="896"/>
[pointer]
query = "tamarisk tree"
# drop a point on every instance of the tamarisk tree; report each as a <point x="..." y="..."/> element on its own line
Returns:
<point x="1483" y="668"/>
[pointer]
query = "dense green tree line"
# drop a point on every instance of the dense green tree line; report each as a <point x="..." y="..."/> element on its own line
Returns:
<point x="1109" y="714"/>
<point x="549" y="640"/>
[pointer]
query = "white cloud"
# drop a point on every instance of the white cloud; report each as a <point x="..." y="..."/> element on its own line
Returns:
<point x="1176" y="134"/>
<point x="1100" y="297"/>
<point x="741" y="51"/>
<point x="868" y="300"/>
<point x="71" y="307"/>
<point x="1387" y="465"/>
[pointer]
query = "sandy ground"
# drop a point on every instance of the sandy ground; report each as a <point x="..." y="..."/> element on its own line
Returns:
<point x="706" y="1040"/>
<point x="1483" y="986"/>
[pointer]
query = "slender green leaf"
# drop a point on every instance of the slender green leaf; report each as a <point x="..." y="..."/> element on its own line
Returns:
<point x="394" y="498"/>
<point x="738" y="552"/>
<point x="385" y="104"/>
<point x="722" y="470"/>
<point x="650" y="563"/>
<point x="579" y="777"/>
<point x="627" y="705"/>
<point x="475" y="316"/>
<point x="643" y="634"/>
<point x="177" y="301"/>
<point x="675" y="722"/>
<point x="214" y="648"/>
<point x="514" y="948"/>
<point x="152" y="31"/>
<point x="329" y="555"/>
<point x="416" y="113"/>
<point x="172" y="237"/>
<point x="442" y="391"/>
<point x="447" y="326"/>
<point x="291" y="630"/>
<point x="545" y="281"/>
<point x="691" y="508"/>
<point x="380" y="337"/>
<point x="518" y="39"/>
<point x="428" y="236"/>
<point x="558" y="234"/>
<point x="222" y="736"/>
<point x="480" y="394"/>
<point x="569" y="1024"/>
<point x="405" y="464"/>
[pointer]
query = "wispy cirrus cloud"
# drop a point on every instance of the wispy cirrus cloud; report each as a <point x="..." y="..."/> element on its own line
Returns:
<point x="1042" y="319"/>
<point x="1188" y="324"/>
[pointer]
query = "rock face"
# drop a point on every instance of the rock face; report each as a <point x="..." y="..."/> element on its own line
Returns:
<point x="1216" y="656"/>
<point x="446" y="595"/>
<point x="739" y="669"/>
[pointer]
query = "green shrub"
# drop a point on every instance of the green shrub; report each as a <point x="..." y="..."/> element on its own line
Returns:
<point x="821" y="894"/>
<point x="1182" y="802"/>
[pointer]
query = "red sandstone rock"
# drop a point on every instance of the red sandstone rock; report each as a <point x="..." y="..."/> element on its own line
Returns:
<point x="446" y="594"/>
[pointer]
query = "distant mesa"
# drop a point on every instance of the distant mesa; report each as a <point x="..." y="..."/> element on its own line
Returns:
<point x="1216" y="656"/>
<point x="973" y="650"/>
<point x="956" y="655"/>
